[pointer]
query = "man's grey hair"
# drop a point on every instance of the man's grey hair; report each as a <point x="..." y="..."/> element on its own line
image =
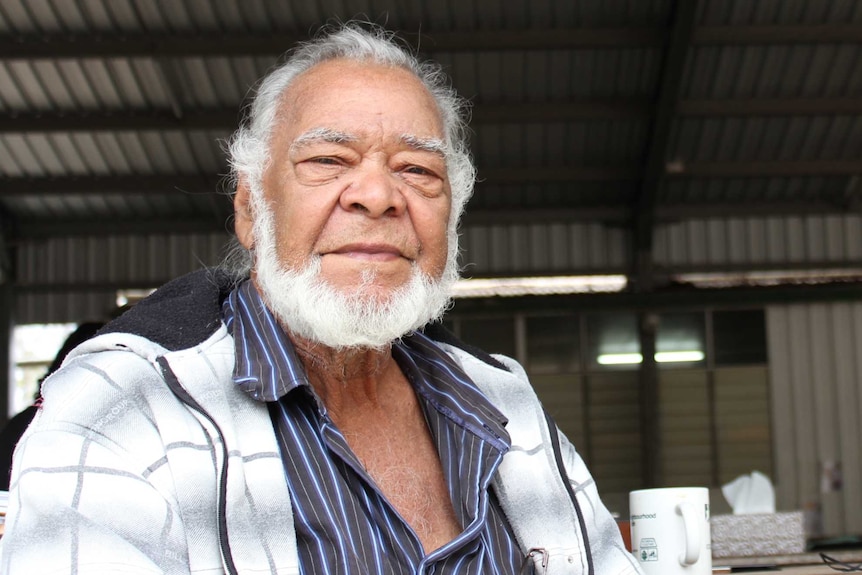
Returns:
<point x="249" y="148"/>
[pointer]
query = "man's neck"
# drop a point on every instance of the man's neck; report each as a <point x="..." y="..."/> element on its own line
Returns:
<point x="349" y="380"/>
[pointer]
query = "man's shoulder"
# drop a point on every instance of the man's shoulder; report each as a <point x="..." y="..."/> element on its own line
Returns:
<point x="500" y="378"/>
<point x="109" y="367"/>
<point x="96" y="374"/>
<point x="438" y="333"/>
<point x="180" y="314"/>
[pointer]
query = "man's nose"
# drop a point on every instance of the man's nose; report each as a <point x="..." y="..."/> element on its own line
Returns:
<point x="374" y="191"/>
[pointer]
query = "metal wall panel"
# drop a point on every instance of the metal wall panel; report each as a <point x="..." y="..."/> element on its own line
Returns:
<point x="829" y="190"/>
<point x="67" y="280"/>
<point x="541" y="196"/>
<point x="113" y="153"/>
<point x="487" y="250"/>
<point x="815" y="358"/>
<point x="684" y="427"/>
<point x="714" y="12"/>
<point x="742" y="408"/>
<point x="63" y="307"/>
<point x="587" y="143"/>
<point x="564" y="249"/>
<point x="56" y="277"/>
<point x="771" y="242"/>
<point x="767" y="139"/>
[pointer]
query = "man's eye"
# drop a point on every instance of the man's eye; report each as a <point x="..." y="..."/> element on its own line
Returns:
<point x="418" y="170"/>
<point x="326" y="160"/>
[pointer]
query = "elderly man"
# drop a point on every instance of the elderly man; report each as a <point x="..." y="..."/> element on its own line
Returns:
<point x="293" y="415"/>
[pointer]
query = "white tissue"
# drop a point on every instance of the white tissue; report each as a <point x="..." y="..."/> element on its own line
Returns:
<point x="750" y="494"/>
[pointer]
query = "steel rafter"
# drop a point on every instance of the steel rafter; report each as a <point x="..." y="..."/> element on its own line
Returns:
<point x="643" y="208"/>
<point x="643" y="221"/>
<point x="189" y="45"/>
<point x="226" y="119"/>
<point x="169" y="184"/>
<point x="216" y="44"/>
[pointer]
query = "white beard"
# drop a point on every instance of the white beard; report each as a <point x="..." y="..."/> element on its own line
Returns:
<point x="312" y="309"/>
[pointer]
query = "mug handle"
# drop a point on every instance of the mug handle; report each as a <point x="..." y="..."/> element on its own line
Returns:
<point x="692" y="533"/>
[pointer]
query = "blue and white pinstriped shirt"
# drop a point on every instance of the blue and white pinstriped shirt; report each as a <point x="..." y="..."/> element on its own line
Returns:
<point x="344" y="524"/>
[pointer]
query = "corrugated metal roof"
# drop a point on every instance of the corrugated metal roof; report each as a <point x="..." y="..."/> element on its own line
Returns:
<point x="803" y="242"/>
<point x="603" y="115"/>
<point x="272" y="15"/>
<point x="732" y="12"/>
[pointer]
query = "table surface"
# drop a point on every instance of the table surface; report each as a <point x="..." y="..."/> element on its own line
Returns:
<point x="789" y="570"/>
<point x="808" y="570"/>
<point x="803" y="564"/>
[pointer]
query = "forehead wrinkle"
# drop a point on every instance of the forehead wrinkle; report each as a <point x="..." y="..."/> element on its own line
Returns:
<point x="321" y="134"/>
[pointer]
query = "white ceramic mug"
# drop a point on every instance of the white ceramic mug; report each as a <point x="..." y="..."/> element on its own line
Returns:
<point x="670" y="530"/>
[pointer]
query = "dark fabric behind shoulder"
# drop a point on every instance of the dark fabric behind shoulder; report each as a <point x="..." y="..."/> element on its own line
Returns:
<point x="180" y="314"/>
<point x="187" y="310"/>
<point x="15" y="427"/>
<point x="438" y="332"/>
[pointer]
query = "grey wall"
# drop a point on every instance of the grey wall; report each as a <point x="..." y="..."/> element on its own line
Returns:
<point x="815" y="357"/>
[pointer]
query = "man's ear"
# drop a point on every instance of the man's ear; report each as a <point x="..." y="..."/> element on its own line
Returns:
<point x="243" y="217"/>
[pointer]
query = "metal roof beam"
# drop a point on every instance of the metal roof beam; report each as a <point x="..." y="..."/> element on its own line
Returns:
<point x="617" y="215"/>
<point x="743" y="209"/>
<point x="118" y="121"/>
<point x="202" y="45"/>
<point x="169" y="184"/>
<point x="555" y="174"/>
<point x="608" y="215"/>
<point x="178" y="184"/>
<point x="584" y="109"/>
<point x="654" y="163"/>
<point x="672" y="298"/>
<point x="778" y="34"/>
<point x="36" y="229"/>
<point x="228" y="118"/>
<point x="641" y="275"/>
<point x="772" y="107"/>
<point x="108" y="185"/>
<point x="781" y="169"/>
<point x="33" y="229"/>
<point x="7" y="254"/>
<point x="537" y="39"/>
<point x="212" y="44"/>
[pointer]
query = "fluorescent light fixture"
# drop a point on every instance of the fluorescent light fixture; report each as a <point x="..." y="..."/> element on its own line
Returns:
<point x="660" y="357"/>
<point x="678" y="356"/>
<point x="620" y="358"/>
<point x="769" y="278"/>
<point x="556" y="285"/>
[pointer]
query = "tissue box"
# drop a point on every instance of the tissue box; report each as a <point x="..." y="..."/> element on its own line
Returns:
<point x="757" y="534"/>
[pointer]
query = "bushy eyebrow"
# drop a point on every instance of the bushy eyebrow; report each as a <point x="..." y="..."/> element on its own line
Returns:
<point x="330" y="136"/>
<point x="317" y="135"/>
<point x="433" y="145"/>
